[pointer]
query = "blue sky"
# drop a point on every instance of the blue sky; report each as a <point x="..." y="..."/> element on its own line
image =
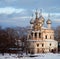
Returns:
<point x="18" y="12"/>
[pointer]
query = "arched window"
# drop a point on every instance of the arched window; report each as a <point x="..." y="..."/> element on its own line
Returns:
<point x="42" y="45"/>
<point x="46" y="37"/>
<point x="37" y="45"/>
<point x="32" y="34"/>
<point x="50" y="44"/>
<point x="39" y="35"/>
<point x="35" y="35"/>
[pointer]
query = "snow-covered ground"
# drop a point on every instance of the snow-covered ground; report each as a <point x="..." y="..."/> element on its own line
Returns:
<point x="39" y="56"/>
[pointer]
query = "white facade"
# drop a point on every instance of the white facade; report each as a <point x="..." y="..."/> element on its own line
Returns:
<point x="40" y="39"/>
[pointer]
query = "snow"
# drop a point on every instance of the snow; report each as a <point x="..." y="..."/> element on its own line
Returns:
<point x="39" y="56"/>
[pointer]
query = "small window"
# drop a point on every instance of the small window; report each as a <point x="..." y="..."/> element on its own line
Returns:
<point x="32" y="34"/>
<point x="37" y="45"/>
<point x="50" y="37"/>
<point x="46" y="37"/>
<point x="35" y="35"/>
<point x="50" y="44"/>
<point x="39" y="35"/>
<point x="42" y="45"/>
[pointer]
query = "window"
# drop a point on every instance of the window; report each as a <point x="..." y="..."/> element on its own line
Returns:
<point x="50" y="44"/>
<point x="42" y="45"/>
<point x="50" y="37"/>
<point x="39" y="35"/>
<point x="35" y="35"/>
<point x="32" y="34"/>
<point x="37" y="45"/>
<point x="46" y="37"/>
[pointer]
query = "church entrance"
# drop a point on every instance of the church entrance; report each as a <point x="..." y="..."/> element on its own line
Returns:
<point x="53" y="50"/>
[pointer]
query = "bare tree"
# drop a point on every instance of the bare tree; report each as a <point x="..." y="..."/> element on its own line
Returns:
<point x="57" y="33"/>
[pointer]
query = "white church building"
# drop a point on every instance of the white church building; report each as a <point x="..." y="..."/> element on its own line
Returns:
<point x="40" y="39"/>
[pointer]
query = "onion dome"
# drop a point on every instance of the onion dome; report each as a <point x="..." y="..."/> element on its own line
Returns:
<point x="48" y="21"/>
<point x="32" y="21"/>
<point x="41" y="18"/>
<point x="40" y="21"/>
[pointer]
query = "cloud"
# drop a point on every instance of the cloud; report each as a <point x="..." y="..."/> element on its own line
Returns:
<point x="23" y="13"/>
<point x="53" y="16"/>
<point x="19" y="11"/>
<point x="10" y="10"/>
<point x="14" y="23"/>
<point x="8" y="1"/>
<point x="3" y="21"/>
<point x="20" y="16"/>
<point x="57" y="20"/>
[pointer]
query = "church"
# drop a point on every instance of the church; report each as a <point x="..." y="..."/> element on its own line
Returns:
<point x="40" y="38"/>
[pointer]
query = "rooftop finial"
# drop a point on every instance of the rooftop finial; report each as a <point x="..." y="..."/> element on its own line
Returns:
<point x="48" y="16"/>
<point x="40" y="12"/>
<point x="48" y="21"/>
<point x="36" y="13"/>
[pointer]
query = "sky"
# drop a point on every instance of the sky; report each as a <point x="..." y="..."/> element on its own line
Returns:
<point x="19" y="12"/>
